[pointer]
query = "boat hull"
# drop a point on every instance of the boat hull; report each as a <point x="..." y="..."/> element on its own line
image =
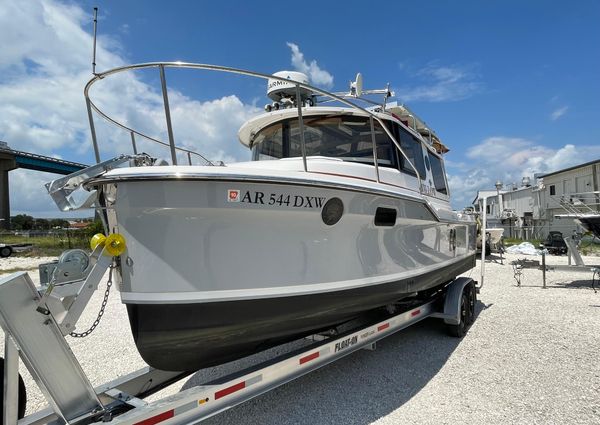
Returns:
<point x="201" y="335"/>
<point x="591" y="223"/>
<point x="209" y="276"/>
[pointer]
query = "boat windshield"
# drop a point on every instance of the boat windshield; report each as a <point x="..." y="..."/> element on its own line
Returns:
<point x="345" y="137"/>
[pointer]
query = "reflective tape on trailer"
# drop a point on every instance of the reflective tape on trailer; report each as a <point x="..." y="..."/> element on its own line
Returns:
<point x="157" y="418"/>
<point x="313" y="356"/>
<point x="308" y="358"/>
<point x="230" y="390"/>
<point x="197" y="403"/>
<point x="383" y="327"/>
<point x="236" y="387"/>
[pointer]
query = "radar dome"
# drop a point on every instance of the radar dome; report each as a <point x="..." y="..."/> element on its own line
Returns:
<point x="277" y="89"/>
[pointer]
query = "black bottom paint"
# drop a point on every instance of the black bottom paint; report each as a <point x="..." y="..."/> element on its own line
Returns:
<point x="188" y="337"/>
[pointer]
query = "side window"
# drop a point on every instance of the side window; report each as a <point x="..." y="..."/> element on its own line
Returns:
<point x="437" y="169"/>
<point x="386" y="153"/>
<point x="411" y="146"/>
<point x="552" y="190"/>
<point x="268" y="144"/>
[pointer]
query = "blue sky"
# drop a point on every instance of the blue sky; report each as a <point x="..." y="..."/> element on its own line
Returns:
<point x="510" y="86"/>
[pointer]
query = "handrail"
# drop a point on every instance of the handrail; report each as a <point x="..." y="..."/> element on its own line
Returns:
<point x="161" y="65"/>
<point x="578" y="203"/>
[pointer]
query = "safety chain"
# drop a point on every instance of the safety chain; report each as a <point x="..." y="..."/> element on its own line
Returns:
<point x="102" y="307"/>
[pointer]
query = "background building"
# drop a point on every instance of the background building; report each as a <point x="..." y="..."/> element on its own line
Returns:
<point x="530" y="211"/>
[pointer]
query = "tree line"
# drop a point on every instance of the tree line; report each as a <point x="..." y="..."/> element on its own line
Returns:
<point x="27" y="222"/>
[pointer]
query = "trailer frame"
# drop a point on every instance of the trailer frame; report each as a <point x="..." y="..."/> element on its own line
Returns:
<point x="35" y="336"/>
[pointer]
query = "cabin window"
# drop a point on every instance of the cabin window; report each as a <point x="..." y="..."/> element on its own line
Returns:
<point x="411" y="146"/>
<point x="345" y="137"/>
<point x="270" y="142"/>
<point x="437" y="168"/>
<point x="552" y="190"/>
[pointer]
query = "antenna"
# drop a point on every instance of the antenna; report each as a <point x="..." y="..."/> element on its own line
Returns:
<point x="356" y="87"/>
<point x="95" y="27"/>
<point x="357" y="91"/>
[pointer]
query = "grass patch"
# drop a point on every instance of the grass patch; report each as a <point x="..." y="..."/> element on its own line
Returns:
<point x="588" y="246"/>
<point x="48" y="246"/>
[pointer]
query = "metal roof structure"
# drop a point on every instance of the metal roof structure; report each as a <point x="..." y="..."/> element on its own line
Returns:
<point x="596" y="161"/>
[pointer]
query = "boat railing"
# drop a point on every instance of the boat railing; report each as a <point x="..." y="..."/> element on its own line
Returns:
<point x="174" y="149"/>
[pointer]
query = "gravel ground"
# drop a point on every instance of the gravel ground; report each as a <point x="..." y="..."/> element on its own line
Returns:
<point x="530" y="357"/>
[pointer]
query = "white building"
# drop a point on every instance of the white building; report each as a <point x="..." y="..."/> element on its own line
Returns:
<point x="514" y="209"/>
<point x="574" y="186"/>
<point x="529" y="212"/>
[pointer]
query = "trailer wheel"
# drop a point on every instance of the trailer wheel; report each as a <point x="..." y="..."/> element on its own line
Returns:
<point x="467" y="312"/>
<point x="22" y="400"/>
<point x="472" y="298"/>
<point x="5" y="251"/>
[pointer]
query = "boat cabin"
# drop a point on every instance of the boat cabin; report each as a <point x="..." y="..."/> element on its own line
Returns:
<point x="345" y="134"/>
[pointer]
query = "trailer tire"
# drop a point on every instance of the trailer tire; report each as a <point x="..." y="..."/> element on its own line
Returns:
<point x="472" y="302"/>
<point x="5" y="251"/>
<point x="22" y="400"/>
<point x="467" y="313"/>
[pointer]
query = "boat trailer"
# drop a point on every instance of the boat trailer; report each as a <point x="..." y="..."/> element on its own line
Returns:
<point x="6" y="250"/>
<point x="36" y="321"/>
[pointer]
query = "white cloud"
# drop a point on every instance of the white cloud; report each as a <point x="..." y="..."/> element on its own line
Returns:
<point x="317" y="76"/>
<point x="442" y="83"/>
<point x="556" y="114"/>
<point x="35" y="200"/>
<point x="509" y="160"/>
<point x="216" y="121"/>
<point x="45" y="61"/>
<point x="208" y="127"/>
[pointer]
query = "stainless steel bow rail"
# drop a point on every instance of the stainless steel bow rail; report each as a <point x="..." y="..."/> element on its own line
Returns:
<point x="35" y="321"/>
<point x="297" y="102"/>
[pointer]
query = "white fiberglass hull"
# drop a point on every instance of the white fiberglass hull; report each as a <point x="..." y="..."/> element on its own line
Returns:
<point x="186" y="233"/>
<point x="205" y="257"/>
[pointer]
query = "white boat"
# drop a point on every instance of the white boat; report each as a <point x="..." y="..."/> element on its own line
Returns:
<point x="225" y="261"/>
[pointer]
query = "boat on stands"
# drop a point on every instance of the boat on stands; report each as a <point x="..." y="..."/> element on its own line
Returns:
<point x="342" y="209"/>
<point x="583" y="208"/>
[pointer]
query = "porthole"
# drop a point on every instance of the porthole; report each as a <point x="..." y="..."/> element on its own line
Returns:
<point x="332" y="211"/>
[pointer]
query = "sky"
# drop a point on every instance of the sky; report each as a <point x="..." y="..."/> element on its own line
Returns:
<point x="511" y="87"/>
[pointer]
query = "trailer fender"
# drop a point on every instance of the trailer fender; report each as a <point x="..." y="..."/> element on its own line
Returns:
<point x="451" y="313"/>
